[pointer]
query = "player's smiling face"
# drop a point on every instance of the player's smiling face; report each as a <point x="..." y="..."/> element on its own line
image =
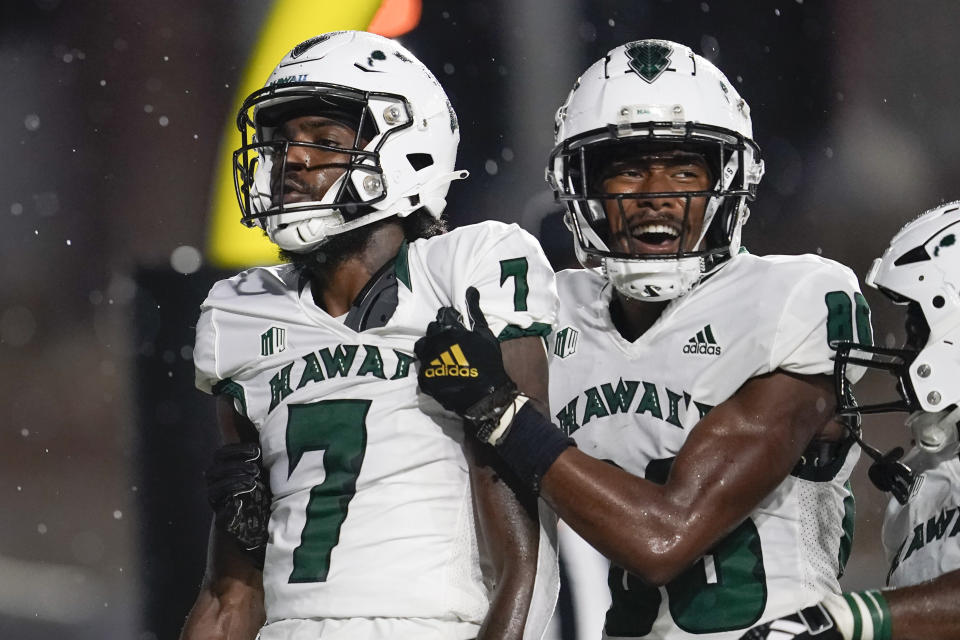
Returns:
<point x="655" y="224"/>
<point x="310" y="171"/>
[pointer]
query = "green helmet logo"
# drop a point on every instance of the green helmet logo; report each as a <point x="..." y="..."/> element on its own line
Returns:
<point x="649" y="58"/>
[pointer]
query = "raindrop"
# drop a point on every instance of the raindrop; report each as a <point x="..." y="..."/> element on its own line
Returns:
<point x="121" y="288"/>
<point x="186" y="259"/>
<point x="710" y="47"/>
<point x="16" y="208"/>
<point x="25" y="432"/>
<point x="776" y="12"/>
<point x="507" y="154"/>
<point x="448" y="68"/>
<point x="41" y="528"/>
<point x="32" y="122"/>
<point x="164" y="121"/>
<point x="117" y="514"/>
<point x="612" y="22"/>
<point x="69" y="243"/>
<point x="704" y="7"/>
<point x="490" y="166"/>
<point x="148" y="108"/>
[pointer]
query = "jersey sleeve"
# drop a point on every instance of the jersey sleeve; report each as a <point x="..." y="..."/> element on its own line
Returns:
<point x="518" y="292"/>
<point x="205" y="352"/>
<point x="209" y="376"/>
<point x="825" y="306"/>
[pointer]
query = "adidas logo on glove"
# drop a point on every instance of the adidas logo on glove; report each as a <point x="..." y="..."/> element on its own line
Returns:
<point x="451" y="363"/>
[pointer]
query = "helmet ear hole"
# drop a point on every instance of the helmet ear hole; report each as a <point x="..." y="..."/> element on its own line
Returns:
<point x="420" y="160"/>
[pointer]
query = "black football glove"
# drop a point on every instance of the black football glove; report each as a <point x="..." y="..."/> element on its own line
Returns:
<point x="240" y="496"/>
<point x="887" y="473"/>
<point x="463" y="369"/>
<point x="812" y="623"/>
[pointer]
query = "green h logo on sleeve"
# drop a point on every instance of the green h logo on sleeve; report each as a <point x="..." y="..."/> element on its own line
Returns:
<point x="273" y="340"/>
<point x="566" y="342"/>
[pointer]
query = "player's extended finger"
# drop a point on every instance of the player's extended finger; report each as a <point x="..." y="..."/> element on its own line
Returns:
<point x="477" y="318"/>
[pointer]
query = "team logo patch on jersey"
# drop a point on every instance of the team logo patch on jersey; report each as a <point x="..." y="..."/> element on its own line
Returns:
<point x="704" y="343"/>
<point x="566" y="343"/>
<point x="451" y="363"/>
<point x="649" y="59"/>
<point x="273" y="340"/>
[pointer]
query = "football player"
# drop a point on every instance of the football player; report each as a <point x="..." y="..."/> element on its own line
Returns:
<point x="920" y="269"/>
<point x="692" y="376"/>
<point x="346" y="158"/>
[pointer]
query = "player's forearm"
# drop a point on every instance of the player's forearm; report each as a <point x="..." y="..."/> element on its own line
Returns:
<point x="625" y="518"/>
<point x="509" y="605"/>
<point x="928" y="611"/>
<point x="225" y="612"/>
<point x="510" y="535"/>
<point x="230" y="603"/>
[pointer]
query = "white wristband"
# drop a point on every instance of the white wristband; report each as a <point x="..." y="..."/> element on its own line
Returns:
<point x="860" y="615"/>
<point x="508" y="415"/>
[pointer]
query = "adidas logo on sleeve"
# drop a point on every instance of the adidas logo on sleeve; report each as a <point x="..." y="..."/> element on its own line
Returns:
<point x="703" y="343"/>
<point x="451" y="363"/>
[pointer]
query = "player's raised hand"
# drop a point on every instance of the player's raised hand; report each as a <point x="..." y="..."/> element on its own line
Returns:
<point x="463" y="368"/>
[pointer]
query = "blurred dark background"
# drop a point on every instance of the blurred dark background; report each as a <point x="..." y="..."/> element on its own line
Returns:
<point x="111" y="123"/>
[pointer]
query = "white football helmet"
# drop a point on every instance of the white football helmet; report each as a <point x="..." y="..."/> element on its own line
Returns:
<point x="393" y="100"/>
<point x="661" y="94"/>
<point x="920" y="269"/>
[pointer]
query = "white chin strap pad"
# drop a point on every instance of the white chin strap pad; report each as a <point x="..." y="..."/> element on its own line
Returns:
<point x="653" y="280"/>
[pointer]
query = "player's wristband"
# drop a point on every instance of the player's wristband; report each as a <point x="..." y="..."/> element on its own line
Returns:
<point x="860" y="615"/>
<point x="531" y="444"/>
<point x="506" y="419"/>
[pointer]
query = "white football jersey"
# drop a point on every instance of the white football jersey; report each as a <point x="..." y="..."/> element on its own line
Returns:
<point x="922" y="537"/>
<point x="372" y="515"/>
<point x="635" y="403"/>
